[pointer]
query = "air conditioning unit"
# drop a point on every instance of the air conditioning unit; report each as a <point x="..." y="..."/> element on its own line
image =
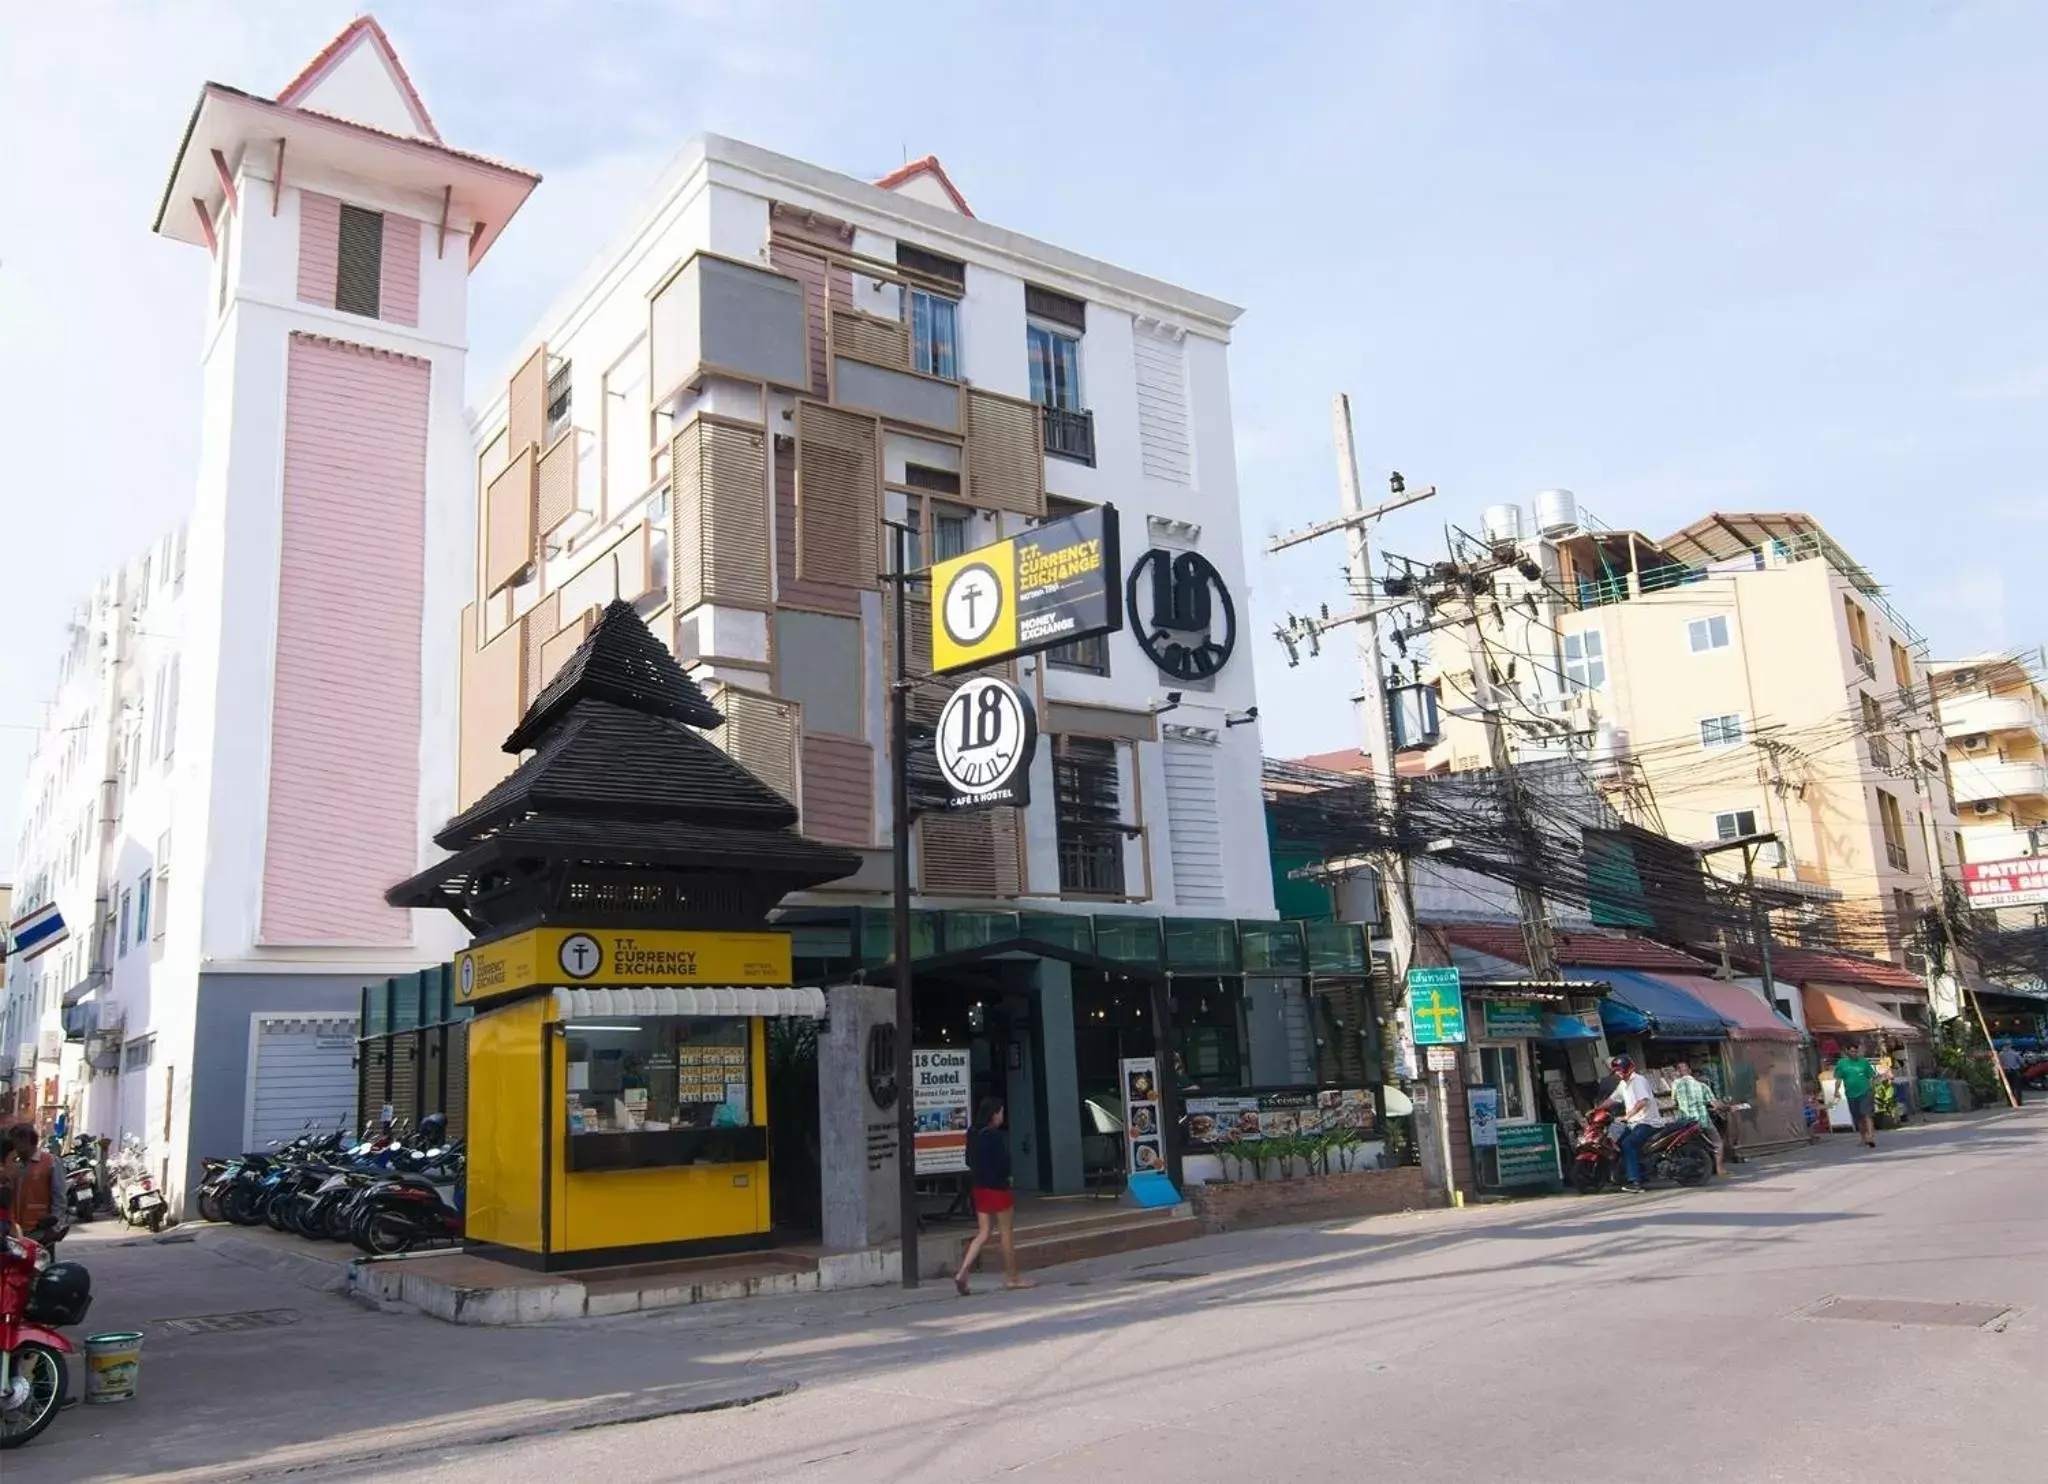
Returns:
<point x="1984" y="808"/>
<point x="1976" y="742"/>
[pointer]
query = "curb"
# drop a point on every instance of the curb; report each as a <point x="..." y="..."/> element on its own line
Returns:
<point x="504" y="1424"/>
<point x="303" y="1269"/>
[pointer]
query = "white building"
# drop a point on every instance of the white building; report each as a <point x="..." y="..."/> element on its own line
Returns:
<point x="1994" y="723"/>
<point x="307" y="757"/>
<point x="720" y="422"/>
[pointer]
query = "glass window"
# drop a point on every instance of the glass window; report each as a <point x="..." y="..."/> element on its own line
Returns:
<point x="127" y="905"/>
<point x="1500" y="1067"/>
<point x="1734" y="824"/>
<point x="1721" y="731"/>
<point x="949" y="532"/>
<point x="935" y="334"/>
<point x="1585" y="661"/>
<point x="677" y="1072"/>
<point x="142" y="907"/>
<point x="1707" y="633"/>
<point x="1055" y="368"/>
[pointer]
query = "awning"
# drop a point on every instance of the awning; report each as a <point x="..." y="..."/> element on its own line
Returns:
<point x="1639" y="1005"/>
<point x="1753" y="1019"/>
<point x="1837" y="1010"/>
<point x="604" y="1004"/>
<point x="1558" y="1027"/>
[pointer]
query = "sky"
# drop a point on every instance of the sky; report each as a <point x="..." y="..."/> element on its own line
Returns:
<point x="1746" y="256"/>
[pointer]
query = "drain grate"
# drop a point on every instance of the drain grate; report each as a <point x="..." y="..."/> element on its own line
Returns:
<point x="1916" y="1312"/>
<point x="1163" y="1277"/>
<point x="223" y="1324"/>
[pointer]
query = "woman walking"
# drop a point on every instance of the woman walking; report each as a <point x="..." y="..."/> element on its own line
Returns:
<point x="988" y="1170"/>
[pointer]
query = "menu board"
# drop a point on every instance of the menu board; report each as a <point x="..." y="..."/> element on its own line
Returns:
<point x="1142" y="1141"/>
<point x="1215" y="1121"/>
<point x="940" y="1080"/>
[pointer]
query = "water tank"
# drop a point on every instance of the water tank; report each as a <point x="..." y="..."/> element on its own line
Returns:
<point x="1502" y="525"/>
<point x="1557" y="513"/>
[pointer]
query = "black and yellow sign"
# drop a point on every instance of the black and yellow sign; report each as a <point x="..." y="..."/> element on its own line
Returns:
<point x="1052" y="585"/>
<point x="609" y="956"/>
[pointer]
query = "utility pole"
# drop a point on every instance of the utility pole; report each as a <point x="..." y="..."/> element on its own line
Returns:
<point x="1538" y="937"/>
<point x="899" y="771"/>
<point x="1372" y="697"/>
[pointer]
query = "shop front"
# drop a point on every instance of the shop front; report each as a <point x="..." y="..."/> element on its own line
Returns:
<point x="623" y="976"/>
<point x="1532" y="1068"/>
<point x="1765" y="1065"/>
<point x="1841" y="1016"/>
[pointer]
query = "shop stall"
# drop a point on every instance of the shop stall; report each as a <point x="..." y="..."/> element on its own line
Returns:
<point x="1841" y="1015"/>
<point x="1764" y="1063"/>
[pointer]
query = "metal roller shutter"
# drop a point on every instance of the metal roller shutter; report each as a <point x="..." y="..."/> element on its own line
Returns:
<point x="301" y="1070"/>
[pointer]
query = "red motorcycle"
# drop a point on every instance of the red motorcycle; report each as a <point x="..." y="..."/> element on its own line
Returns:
<point x="36" y="1296"/>
<point x="1677" y="1150"/>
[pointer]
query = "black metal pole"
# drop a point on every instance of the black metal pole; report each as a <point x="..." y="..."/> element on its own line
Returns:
<point x="899" y="767"/>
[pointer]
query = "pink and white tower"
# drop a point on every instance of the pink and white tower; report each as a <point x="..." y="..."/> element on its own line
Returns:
<point x="331" y="541"/>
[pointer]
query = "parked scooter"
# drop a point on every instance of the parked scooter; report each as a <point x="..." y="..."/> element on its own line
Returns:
<point x="137" y="1201"/>
<point x="1677" y="1150"/>
<point x="36" y="1297"/>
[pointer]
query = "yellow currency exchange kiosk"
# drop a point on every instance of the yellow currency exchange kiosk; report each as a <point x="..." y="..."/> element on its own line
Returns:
<point x="617" y="887"/>
<point x="618" y="1100"/>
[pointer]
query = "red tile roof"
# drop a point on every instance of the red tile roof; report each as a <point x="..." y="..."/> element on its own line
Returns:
<point x="1579" y="950"/>
<point x="1351" y="760"/>
<point x="1815" y="966"/>
<point x="929" y="165"/>
<point x="362" y="24"/>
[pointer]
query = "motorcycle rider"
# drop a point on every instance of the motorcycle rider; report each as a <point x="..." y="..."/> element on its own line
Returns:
<point x="1694" y="1099"/>
<point x="1637" y="1100"/>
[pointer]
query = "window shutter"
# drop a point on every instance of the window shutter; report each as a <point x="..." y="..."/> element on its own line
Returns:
<point x="760" y="734"/>
<point x="1162" y="406"/>
<point x="359" y="271"/>
<point x="1005" y="453"/>
<point x="718" y="514"/>
<point x="1055" y="308"/>
<point x="969" y="855"/>
<point x="838" y="497"/>
<point x="1194" y="825"/>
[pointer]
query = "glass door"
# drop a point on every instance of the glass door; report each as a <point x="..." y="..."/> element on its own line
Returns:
<point x="1501" y="1068"/>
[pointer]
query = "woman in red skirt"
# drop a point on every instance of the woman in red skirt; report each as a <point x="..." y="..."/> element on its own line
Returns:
<point x="988" y="1170"/>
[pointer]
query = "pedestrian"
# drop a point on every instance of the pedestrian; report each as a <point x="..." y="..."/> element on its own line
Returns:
<point x="2011" y="1060"/>
<point x="1695" y="1102"/>
<point x="37" y="1184"/>
<point x="1858" y="1078"/>
<point x="1640" y="1118"/>
<point x="995" y="1207"/>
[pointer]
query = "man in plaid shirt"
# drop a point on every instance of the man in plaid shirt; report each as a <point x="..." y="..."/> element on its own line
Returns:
<point x="1694" y="1102"/>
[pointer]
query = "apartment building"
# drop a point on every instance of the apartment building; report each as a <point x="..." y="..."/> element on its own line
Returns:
<point x="725" y="422"/>
<point x="1742" y="676"/>
<point x="1994" y="719"/>
<point x="233" y="775"/>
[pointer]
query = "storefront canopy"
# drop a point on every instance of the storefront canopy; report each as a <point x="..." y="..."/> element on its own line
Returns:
<point x="602" y="1004"/>
<point x="1558" y="1027"/>
<point x="1638" y="1004"/>
<point x="1752" y="1019"/>
<point x="1838" y="1010"/>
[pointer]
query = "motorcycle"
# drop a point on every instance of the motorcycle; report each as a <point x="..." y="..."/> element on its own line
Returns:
<point x="81" y="1188"/>
<point x="137" y="1201"/>
<point x="399" y="1214"/>
<point x="1677" y="1150"/>
<point x="37" y="1296"/>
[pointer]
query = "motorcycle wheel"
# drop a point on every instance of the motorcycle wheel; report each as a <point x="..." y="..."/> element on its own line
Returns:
<point x="388" y="1234"/>
<point x="1691" y="1165"/>
<point x="239" y="1206"/>
<point x="274" y="1212"/>
<point x="47" y="1376"/>
<point x="1587" y="1176"/>
<point x="156" y="1219"/>
<point x="209" y="1204"/>
<point x="340" y="1218"/>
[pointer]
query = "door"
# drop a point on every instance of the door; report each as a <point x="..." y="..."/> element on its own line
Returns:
<point x="301" y="1070"/>
<point x="1502" y="1066"/>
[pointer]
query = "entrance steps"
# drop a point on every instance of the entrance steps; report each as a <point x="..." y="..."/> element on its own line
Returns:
<point x="1104" y="1234"/>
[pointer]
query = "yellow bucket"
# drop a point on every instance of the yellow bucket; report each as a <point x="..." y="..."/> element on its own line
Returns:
<point x="112" y="1362"/>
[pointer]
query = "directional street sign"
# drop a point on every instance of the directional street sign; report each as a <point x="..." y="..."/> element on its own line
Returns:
<point x="1436" y="1007"/>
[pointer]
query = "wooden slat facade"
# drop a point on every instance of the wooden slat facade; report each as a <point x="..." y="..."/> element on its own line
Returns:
<point x="555" y="498"/>
<point x="839" y="789"/>
<point x="792" y="591"/>
<point x="509" y="522"/>
<point x="1005" y="453"/>
<point x="838" y="496"/>
<point x="870" y="338"/>
<point x="718" y="516"/>
<point x="526" y="402"/>
<point x="969" y="855"/>
<point x="761" y="734"/>
<point x="490" y="680"/>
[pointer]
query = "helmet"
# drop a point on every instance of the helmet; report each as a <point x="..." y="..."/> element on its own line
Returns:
<point x="62" y="1294"/>
<point x="1620" y="1064"/>
<point x="433" y="1128"/>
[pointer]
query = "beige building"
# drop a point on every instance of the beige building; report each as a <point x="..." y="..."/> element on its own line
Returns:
<point x="1994" y="716"/>
<point x="1742" y="676"/>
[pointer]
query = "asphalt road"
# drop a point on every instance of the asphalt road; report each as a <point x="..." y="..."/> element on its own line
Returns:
<point x="1679" y="1337"/>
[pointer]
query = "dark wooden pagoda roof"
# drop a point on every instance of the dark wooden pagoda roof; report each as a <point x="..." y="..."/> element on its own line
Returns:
<point x="623" y="814"/>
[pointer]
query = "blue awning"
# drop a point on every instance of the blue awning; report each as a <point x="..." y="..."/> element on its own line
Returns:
<point x="1639" y="1005"/>
<point x="1558" y="1027"/>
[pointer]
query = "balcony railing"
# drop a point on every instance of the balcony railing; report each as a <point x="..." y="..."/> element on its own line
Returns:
<point x="1977" y="711"/>
<point x="1091" y="860"/>
<point x="1866" y="664"/>
<point x="1896" y="854"/>
<point x="1070" y="434"/>
<point x="1880" y="755"/>
<point x="1991" y="779"/>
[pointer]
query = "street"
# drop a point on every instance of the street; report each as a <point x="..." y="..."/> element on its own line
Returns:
<point x="1669" y="1336"/>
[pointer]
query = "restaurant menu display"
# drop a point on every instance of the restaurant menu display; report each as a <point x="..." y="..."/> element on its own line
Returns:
<point x="1146" y="1150"/>
<point x="1215" y="1121"/>
<point x="941" y="1101"/>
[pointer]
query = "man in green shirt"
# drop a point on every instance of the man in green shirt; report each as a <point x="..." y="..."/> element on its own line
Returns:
<point x="1694" y="1100"/>
<point x="1858" y="1079"/>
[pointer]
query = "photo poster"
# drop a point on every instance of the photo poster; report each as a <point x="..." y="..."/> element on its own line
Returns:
<point x="1142" y="1139"/>
<point x="943" y="1105"/>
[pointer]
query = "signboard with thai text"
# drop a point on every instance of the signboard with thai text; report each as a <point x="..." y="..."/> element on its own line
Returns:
<point x="2014" y="883"/>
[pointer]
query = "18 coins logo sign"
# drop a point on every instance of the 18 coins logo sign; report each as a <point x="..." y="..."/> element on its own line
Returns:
<point x="985" y="739"/>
